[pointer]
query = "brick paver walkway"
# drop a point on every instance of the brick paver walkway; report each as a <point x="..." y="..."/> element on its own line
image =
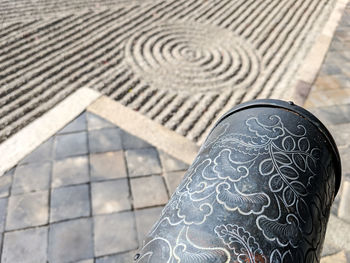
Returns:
<point x="330" y="101"/>
<point x="91" y="192"/>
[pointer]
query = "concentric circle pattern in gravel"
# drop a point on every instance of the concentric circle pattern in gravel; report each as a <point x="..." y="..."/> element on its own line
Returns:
<point x="179" y="62"/>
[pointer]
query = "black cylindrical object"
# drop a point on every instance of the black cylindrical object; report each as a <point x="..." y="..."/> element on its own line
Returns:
<point x="260" y="190"/>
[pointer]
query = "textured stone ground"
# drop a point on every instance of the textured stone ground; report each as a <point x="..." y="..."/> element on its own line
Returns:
<point x="91" y="192"/>
<point x="330" y="101"/>
<point x="181" y="63"/>
<point x="59" y="204"/>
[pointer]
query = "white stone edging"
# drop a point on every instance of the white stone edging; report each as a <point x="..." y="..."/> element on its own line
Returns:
<point x="27" y="139"/>
<point x="308" y="72"/>
<point x="138" y="125"/>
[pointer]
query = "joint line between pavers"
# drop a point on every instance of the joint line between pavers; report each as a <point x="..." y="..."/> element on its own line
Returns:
<point x="138" y="125"/>
<point x="26" y="140"/>
<point x="309" y="70"/>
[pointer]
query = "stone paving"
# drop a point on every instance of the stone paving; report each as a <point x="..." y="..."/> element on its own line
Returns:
<point x="88" y="194"/>
<point x="330" y="101"/>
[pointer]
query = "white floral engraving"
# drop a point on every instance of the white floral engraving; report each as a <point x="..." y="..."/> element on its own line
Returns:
<point x="222" y="183"/>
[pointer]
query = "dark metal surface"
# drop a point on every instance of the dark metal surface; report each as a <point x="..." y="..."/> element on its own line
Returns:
<point x="260" y="190"/>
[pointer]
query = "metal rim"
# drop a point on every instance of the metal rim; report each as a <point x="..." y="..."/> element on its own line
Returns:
<point x="272" y="103"/>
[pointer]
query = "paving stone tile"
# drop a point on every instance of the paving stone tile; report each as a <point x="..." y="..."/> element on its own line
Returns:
<point x="328" y="98"/>
<point x="115" y="233"/>
<point x="31" y="177"/>
<point x="3" y="209"/>
<point x="27" y="210"/>
<point x="96" y="122"/>
<point x="335" y="46"/>
<point x="105" y="140"/>
<point x="5" y="184"/>
<point x="343" y="210"/>
<point x="170" y="163"/>
<point x="25" y="246"/>
<point x="345" y="53"/>
<point x="69" y="202"/>
<point x="119" y="258"/>
<point x="71" y="241"/>
<point x="145" y="219"/>
<point x="173" y="179"/>
<point x="337" y="236"/>
<point x="109" y="165"/>
<point x="335" y="205"/>
<point x="330" y="115"/>
<point x="143" y="162"/>
<point x="67" y="145"/>
<point x="70" y="171"/>
<point x="347" y="253"/>
<point x="148" y="191"/>
<point x="1" y="241"/>
<point x="345" y="110"/>
<point x="345" y="160"/>
<point x="132" y="142"/>
<point x="327" y="82"/>
<point x="340" y="257"/>
<point x="9" y="172"/>
<point x="344" y="81"/>
<point x="110" y="196"/>
<point x="42" y="153"/>
<point x="331" y="69"/>
<point x="341" y="134"/>
<point x="78" y="124"/>
<point x="86" y="261"/>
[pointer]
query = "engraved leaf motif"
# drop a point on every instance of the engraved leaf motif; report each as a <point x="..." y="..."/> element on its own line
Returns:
<point x="187" y="252"/>
<point x="288" y="143"/>
<point x="283" y="158"/>
<point x="277" y="257"/>
<point x="272" y="131"/>
<point x="299" y="161"/>
<point x="284" y="233"/>
<point x="276" y="183"/>
<point x="304" y="215"/>
<point x="191" y="254"/>
<point x="299" y="188"/>
<point x="287" y="257"/>
<point x="288" y="196"/>
<point x="226" y="169"/>
<point x="311" y="163"/>
<point x="186" y="207"/>
<point x="266" y="167"/>
<point x="241" y="242"/>
<point x="246" y="204"/>
<point x="303" y="144"/>
<point x="289" y="172"/>
<point x="155" y="249"/>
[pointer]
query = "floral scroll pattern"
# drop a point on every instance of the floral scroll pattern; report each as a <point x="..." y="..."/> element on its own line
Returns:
<point x="284" y="161"/>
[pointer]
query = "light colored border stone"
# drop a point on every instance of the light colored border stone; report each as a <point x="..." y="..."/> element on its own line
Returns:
<point x="138" y="125"/>
<point x="31" y="136"/>
<point x="308" y="72"/>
